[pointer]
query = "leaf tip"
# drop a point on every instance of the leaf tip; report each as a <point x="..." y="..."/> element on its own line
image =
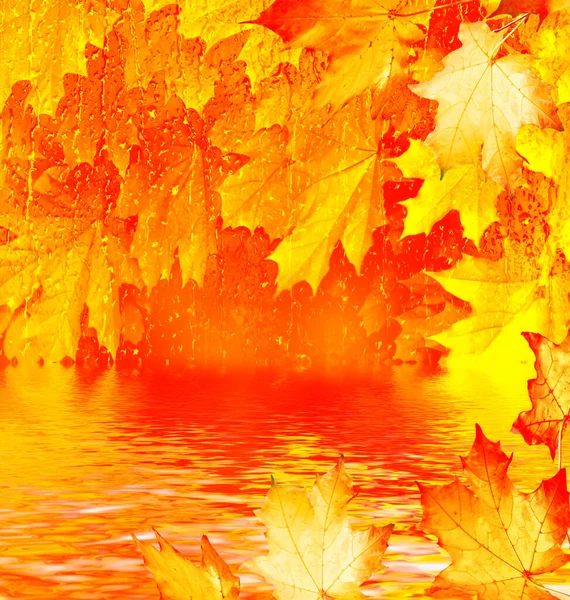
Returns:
<point x="479" y="435"/>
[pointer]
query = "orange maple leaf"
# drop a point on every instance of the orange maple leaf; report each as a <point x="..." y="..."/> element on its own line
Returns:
<point x="366" y="40"/>
<point x="168" y="185"/>
<point x="498" y="538"/>
<point x="549" y="392"/>
<point x="43" y="41"/>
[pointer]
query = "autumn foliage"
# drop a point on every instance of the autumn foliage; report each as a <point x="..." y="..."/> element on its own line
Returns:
<point x="289" y="182"/>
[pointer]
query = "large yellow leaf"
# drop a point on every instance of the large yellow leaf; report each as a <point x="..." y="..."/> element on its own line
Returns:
<point x="499" y="539"/>
<point x="460" y="189"/>
<point x="178" y="578"/>
<point x="508" y="296"/>
<point x="483" y="102"/>
<point x="313" y="552"/>
<point x="342" y="159"/>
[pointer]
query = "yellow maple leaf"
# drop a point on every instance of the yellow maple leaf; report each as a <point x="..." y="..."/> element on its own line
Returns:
<point x="550" y="47"/>
<point x="508" y="296"/>
<point x="483" y="102"/>
<point x="342" y="161"/>
<point x="178" y="578"/>
<point x="499" y="539"/>
<point x="42" y="41"/>
<point x="459" y="189"/>
<point x="313" y="552"/>
<point x="263" y="192"/>
<point x="55" y="265"/>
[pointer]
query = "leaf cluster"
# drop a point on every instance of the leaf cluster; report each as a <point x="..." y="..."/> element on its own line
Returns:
<point x="302" y="123"/>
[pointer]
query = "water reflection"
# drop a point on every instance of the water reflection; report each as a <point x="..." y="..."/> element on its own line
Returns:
<point x="89" y="458"/>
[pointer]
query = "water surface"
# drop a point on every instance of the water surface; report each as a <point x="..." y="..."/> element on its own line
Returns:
<point x="88" y="459"/>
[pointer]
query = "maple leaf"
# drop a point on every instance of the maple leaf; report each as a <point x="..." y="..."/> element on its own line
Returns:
<point x="55" y="265"/>
<point x="545" y="151"/>
<point x="433" y="314"/>
<point x="420" y="307"/>
<point x="214" y="20"/>
<point x="44" y="41"/>
<point x="62" y="254"/>
<point x="550" y="49"/>
<point x="313" y="552"/>
<point x="178" y="578"/>
<point x="263" y="192"/>
<point x="366" y="41"/>
<point x="483" y="102"/>
<point x="460" y="189"/>
<point x="498" y="538"/>
<point x="508" y="296"/>
<point x="168" y="184"/>
<point x="546" y="422"/>
<point x="343" y="162"/>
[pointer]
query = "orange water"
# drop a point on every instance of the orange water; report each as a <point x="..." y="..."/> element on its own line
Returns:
<point x="89" y="459"/>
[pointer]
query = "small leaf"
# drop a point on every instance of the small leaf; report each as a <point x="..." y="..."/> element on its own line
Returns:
<point x="178" y="578"/>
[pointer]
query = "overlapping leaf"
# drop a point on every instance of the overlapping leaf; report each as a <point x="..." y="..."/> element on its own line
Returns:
<point x="499" y="539"/>
<point x="60" y="257"/>
<point x="366" y="41"/>
<point x="460" y="189"/>
<point x="342" y="160"/>
<point x="483" y="102"/>
<point x="44" y="41"/>
<point x="549" y="392"/>
<point x="507" y="296"/>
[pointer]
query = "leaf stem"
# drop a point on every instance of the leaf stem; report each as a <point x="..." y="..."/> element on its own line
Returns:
<point x="516" y="22"/>
<point x="522" y="17"/>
